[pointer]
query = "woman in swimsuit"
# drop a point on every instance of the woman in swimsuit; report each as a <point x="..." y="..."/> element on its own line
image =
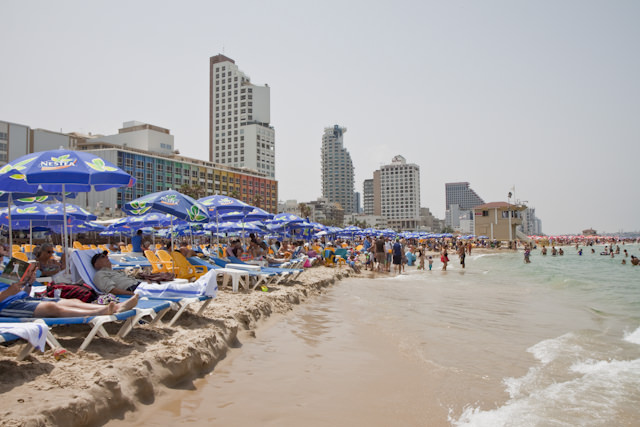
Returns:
<point x="47" y="265"/>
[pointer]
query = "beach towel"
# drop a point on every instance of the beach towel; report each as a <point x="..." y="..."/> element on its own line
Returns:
<point x="206" y="285"/>
<point x="34" y="333"/>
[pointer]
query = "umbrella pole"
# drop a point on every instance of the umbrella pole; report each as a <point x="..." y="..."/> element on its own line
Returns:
<point x="10" y="231"/>
<point x="64" y="216"/>
<point x="30" y="234"/>
<point x="172" y="247"/>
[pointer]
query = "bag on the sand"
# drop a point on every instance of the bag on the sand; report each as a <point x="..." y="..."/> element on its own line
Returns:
<point x="79" y="291"/>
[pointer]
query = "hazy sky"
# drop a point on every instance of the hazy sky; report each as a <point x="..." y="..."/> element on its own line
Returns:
<point x="543" y="95"/>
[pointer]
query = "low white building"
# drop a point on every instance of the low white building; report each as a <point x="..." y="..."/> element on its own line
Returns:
<point x="141" y="136"/>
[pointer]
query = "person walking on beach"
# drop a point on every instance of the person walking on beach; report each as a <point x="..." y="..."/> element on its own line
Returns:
<point x="430" y="262"/>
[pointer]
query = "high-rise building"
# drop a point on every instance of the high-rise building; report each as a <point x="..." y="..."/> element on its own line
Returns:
<point x="337" y="170"/>
<point x="240" y="133"/>
<point x="459" y="193"/>
<point x="367" y="196"/>
<point x="460" y="201"/>
<point x="400" y="189"/>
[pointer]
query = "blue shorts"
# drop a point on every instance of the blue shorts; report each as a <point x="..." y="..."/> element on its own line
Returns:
<point x="20" y="308"/>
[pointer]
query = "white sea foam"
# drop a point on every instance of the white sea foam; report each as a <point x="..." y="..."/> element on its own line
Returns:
<point x="548" y="350"/>
<point x="593" y="393"/>
<point x="633" y="337"/>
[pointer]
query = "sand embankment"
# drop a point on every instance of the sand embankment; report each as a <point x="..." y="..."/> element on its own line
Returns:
<point x="114" y="376"/>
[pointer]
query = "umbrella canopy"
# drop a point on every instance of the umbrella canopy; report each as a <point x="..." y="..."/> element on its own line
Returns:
<point x="25" y="199"/>
<point x="286" y="218"/>
<point x="231" y="226"/>
<point x="67" y="170"/>
<point x="218" y="205"/>
<point x="132" y="223"/>
<point x="37" y="211"/>
<point x="172" y="202"/>
<point x="256" y="214"/>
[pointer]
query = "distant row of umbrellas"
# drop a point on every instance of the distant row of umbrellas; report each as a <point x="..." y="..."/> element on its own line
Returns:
<point x="60" y="174"/>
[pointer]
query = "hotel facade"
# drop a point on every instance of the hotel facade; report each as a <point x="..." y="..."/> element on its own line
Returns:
<point x="338" y="185"/>
<point x="240" y="133"/>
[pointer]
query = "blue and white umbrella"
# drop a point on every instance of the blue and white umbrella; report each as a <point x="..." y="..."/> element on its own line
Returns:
<point x="219" y="204"/>
<point x="171" y="202"/>
<point x="67" y="170"/>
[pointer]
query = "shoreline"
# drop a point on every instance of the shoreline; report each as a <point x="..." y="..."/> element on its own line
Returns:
<point x="115" y="376"/>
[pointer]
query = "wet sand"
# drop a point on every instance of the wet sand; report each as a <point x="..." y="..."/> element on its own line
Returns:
<point x="113" y="376"/>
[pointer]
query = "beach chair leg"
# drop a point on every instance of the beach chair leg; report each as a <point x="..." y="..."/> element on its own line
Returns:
<point x="204" y="305"/>
<point x="26" y="350"/>
<point x="225" y="280"/>
<point x="245" y="281"/>
<point x="133" y="321"/>
<point x="98" y="329"/>
<point x="257" y="280"/>
<point x="52" y="341"/>
<point x="158" y="317"/>
<point x="178" y="314"/>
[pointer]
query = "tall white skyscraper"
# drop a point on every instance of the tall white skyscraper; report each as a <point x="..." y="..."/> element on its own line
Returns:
<point x="337" y="170"/>
<point x="400" y="189"/>
<point x="240" y="133"/>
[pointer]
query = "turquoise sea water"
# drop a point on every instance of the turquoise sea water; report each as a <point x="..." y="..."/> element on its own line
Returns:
<point x="501" y="343"/>
<point x="586" y="367"/>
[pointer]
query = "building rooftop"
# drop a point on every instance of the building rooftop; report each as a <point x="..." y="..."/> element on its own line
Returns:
<point x="494" y="205"/>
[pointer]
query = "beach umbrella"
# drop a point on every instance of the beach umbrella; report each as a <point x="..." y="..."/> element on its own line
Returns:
<point x="172" y="202"/>
<point x="133" y="223"/>
<point x="67" y="171"/>
<point x="286" y="218"/>
<point x="54" y="212"/>
<point x="219" y="204"/>
<point x="256" y="214"/>
<point x="19" y="192"/>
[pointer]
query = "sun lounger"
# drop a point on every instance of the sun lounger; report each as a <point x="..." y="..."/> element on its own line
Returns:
<point x="282" y="274"/>
<point x="259" y="278"/>
<point x="35" y="333"/>
<point x="82" y="269"/>
<point x="290" y="273"/>
<point x="97" y="323"/>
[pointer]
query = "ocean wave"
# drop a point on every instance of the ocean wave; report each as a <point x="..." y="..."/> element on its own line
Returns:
<point x="601" y="390"/>
<point x="633" y="337"/>
<point x="548" y="350"/>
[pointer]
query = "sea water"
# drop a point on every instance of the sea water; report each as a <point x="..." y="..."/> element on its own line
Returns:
<point x="554" y="342"/>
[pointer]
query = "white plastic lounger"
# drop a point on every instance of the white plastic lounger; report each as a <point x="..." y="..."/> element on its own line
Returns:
<point x="97" y="322"/>
<point x="238" y="276"/>
<point x="35" y="333"/>
<point x="81" y="268"/>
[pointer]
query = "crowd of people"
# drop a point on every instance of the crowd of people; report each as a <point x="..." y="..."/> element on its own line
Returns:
<point x="381" y="254"/>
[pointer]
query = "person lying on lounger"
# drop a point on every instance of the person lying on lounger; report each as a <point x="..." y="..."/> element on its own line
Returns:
<point x="110" y="281"/>
<point x="15" y="302"/>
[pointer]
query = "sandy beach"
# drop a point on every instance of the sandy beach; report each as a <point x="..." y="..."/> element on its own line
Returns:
<point x="114" y="376"/>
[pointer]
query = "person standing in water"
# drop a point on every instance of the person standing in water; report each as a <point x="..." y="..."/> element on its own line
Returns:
<point x="444" y="257"/>
<point x="462" y="254"/>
